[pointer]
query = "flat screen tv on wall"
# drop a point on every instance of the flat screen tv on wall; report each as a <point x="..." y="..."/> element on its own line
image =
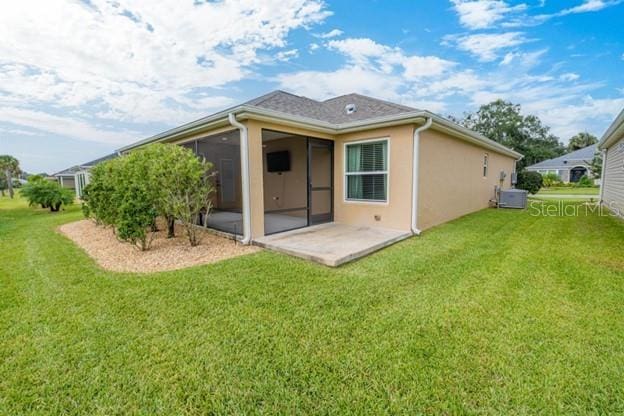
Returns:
<point x="278" y="161"/>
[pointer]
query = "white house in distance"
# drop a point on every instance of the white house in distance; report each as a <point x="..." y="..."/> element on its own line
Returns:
<point x="612" y="147"/>
<point x="570" y="167"/>
<point x="77" y="177"/>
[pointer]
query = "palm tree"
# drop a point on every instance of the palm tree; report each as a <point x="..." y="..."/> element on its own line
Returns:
<point x="10" y="166"/>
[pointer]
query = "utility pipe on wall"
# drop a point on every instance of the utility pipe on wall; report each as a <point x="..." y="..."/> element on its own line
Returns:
<point x="244" y="152"/>
<point x="415" y="165"/>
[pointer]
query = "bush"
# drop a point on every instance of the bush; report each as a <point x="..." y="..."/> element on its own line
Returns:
<point x="551" y="179"/>
<point x="530" y="181"/>
<point x="47" y="194"/>
<point x="585" y="182"/>
<point x="130" y="192"/>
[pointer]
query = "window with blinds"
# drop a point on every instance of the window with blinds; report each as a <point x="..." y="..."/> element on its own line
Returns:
<point x="367" y="171"/>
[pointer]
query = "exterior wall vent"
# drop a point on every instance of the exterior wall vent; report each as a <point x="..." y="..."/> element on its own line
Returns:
<point x="350" y="108"/>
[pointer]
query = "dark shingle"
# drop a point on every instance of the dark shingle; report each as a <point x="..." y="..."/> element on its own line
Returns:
<point x="332" y="110"/>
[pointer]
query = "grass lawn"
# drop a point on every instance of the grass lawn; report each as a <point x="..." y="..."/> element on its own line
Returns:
<point x="569" y="191"/>
<point x="498" y="312"/>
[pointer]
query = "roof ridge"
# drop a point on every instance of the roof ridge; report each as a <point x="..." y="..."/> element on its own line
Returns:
<point x="259" y="100"/>
<point x="368" y="97"/>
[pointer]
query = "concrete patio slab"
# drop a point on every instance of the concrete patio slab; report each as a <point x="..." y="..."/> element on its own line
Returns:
<point x="332" y="244"/>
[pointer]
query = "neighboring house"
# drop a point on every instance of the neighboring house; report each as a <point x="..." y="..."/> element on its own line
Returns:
<point x="82" y="175"/>
<point x="67" y="178"/>
<point x="612" y="147"/>
<point x="570" y="167"/>
<point x="77" y="177"/>
<point x="285" y="162"/>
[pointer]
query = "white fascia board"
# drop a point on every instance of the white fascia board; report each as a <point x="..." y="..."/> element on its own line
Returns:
<point x="613" y="133"/>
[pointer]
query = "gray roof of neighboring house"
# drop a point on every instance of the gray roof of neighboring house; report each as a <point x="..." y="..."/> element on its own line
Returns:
<point x="74" y="169"/>
<point x="585" y="154"/>
<point x="332" y="110"/>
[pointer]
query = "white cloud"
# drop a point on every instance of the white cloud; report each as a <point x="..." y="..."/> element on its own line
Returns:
<point x="524" y="59"/>
<point x="322" y="85"/>
<point x="287" y="55"/>
<point x="331" y="34"/>
<point x="425" y="66"/>
<point x="486" y="46"/>
<point x="139" y="61"/>
<point x="369" y="54"/>
<point x="64" y="126"/>
<point x="482" y="14"/>
<point x="568" y="118"/>
<point x="570" y="76"/>
<point x="589" y="6"/>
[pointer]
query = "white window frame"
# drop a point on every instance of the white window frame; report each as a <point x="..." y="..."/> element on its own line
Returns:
<point x="386" y="172"/>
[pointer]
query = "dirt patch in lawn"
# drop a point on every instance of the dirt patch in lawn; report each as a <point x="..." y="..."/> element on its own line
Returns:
<point x="165" y="253"/>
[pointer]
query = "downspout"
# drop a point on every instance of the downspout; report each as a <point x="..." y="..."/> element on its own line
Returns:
<point x="415" y="165"/>
<point x="244" y="153"/>
<point x="603" y="174"/>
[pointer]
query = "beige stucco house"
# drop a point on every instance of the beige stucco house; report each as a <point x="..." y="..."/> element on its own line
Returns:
<point x="612" y="182"/>
<point x="285" y="162"/>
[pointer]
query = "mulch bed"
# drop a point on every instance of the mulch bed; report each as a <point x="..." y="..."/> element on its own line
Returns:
<point x="165" y="253"/>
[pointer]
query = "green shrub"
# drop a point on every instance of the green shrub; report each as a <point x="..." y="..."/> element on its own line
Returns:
<point x="47" y="194"/>
<point x="551" y="179"/>
<point x="130" y="192"/>
<point x="530" y="181"/>
<point x="585" y="182"/>
<point x="100" y="199"/>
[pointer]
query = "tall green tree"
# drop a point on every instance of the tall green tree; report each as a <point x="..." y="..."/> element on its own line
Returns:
<point x="581" y="140"/>
<point x="504" y="123"/>
<point x="9" y="167"/>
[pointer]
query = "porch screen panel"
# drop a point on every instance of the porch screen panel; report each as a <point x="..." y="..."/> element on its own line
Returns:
<point x="223" y="152"/>
<point x="367" y="171"/>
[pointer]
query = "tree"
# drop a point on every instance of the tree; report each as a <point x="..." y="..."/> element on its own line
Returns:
<point x="503" y="122"/>
<point x="596" y="165"/>
<point x="581" y="140"/>
<point x="9" y="166"/>
<point x="3" y="185"/>
<point x="530" y="181"/>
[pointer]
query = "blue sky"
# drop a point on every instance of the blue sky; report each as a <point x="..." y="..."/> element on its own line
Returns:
<point x="79" y="79"/>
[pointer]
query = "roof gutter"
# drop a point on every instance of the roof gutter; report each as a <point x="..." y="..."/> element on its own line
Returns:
<point x="244" y="151"/>
<point x="415" y="167"/>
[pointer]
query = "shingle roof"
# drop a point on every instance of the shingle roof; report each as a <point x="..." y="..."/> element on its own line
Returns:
<point x="99" y="160"/>
<point x="585" y="154"/>
<point x="332" y="110"/>
<point x="330" y="115"/>
<point x="67" y="172"/>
